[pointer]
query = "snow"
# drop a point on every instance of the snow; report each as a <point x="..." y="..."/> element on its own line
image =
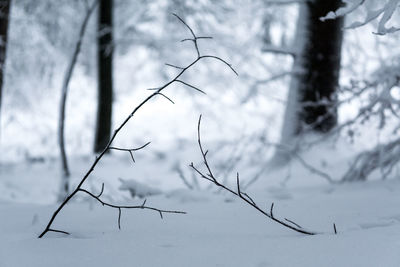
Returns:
<point x="138" y="189"/>
<point x="218" y="229"/>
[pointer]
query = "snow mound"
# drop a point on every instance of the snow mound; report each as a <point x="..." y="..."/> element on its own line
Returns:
<point x="138" y="189"/>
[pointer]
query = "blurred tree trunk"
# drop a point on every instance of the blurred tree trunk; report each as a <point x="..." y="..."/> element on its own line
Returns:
<point x="4" y="21"/>
<point x="312" y="98"/>
<point x="65" y="180"/>
<point x="105" y="79"/>
<point x="321" y="62"/>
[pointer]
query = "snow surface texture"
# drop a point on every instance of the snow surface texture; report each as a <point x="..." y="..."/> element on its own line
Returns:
<point x="218" y="229"/>
<point x="214" y="233"/>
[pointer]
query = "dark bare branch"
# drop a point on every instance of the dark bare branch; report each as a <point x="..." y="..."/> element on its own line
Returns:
<point x="204" y="37"/>
<point x="166" y="97"/>
<point x="245" y="197"/>
<point x="223" y="61"/>
<point x="119" y="218"/>
<point x="184" y="23"/>
<point x="102" y="190"/>
<point x="174" y="66"/>
<point x="157" y="92"/>
<point x="271" y="210"/>
<point x="292" y="222"/>
<point x="191" y="86"/>
<point x="58" y="231"/>
<point x="119" y="207"/>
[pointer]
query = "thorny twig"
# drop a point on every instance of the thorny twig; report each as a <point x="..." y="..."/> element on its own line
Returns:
<point x="119" y="207"/>
<point x="157" y="91"/>
<point x="129" y="150"/>
<point x="209" y="176"/>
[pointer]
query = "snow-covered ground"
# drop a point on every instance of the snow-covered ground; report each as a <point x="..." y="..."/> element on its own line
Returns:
<point x="218" y="229"/>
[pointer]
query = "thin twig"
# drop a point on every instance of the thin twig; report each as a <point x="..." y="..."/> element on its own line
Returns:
<point x="292" y="222"/>
<point x="130" y="150"/>
<point x="119" y="218"/>
<point x="102" y="190"/>
<point x="271" y="210"/>
<point x="191" y="86"/>
<point x="166" y="97"/>
<point x="174" y="66"/>
<point x="59" y="231"/>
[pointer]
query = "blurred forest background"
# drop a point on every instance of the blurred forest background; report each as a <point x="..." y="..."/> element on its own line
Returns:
<point x="244" y="114"/>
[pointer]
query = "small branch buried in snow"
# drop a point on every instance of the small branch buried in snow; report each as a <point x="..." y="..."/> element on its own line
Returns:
<point x="209" y="176"/>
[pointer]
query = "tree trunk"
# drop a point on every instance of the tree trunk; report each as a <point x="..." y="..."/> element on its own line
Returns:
<point x="105" y="94"/>
<point x="4" y="21"/>
<point x="312" y="98"/>
<point x="321" y="63"/>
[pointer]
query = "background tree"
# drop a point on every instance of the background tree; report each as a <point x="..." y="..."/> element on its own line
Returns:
<point x="312" y="95"/>
<point x="4" y="17"/>
<point x="105" y="77"/>
<point x="64" y="189"/>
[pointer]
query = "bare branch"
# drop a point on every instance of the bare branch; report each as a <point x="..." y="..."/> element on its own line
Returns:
<point x="174" y="66"/>
<point x="102" y="190"/>
<point x="166" y="97"/>
<point x="223" y="61"/>
<point x="245" y="197"/>
<point x="130" y="150"/>
<point x="122" y="125"/>
<point x="252" y="201"/>
<point x="204" y="37"/>
<point x="119" y="207"/>
<point x="271" y="210"/>
<point x="184" y="23"/>
<point x="58" y="231"/>
<point x="292" y="222"/>
<point x="238" y="185"/>
<point x="188" y="39"/>
<point x="119" y="218"/>
<point x="191" y="86"/>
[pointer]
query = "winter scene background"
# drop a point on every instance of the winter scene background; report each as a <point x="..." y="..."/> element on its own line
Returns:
<point x="199" y="133"/>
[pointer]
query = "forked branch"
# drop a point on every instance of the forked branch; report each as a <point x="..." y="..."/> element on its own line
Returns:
<point x="209" y="176"/>
<point x="129" y="150"/>
<point x="157" y="92"/>
<point x="119" y="207"/>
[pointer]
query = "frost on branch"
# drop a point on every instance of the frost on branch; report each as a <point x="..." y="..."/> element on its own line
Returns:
<point x="383" y="106"/>
<point x="383" y="158"/>
<point x="383" y="13"/>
